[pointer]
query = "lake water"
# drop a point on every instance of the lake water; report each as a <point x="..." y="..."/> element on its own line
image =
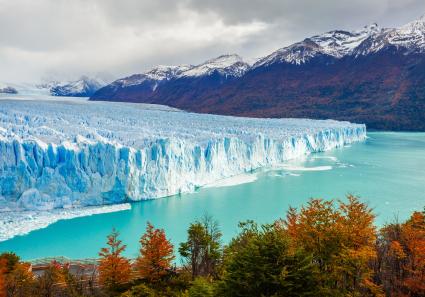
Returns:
<point x="387" y="171"/>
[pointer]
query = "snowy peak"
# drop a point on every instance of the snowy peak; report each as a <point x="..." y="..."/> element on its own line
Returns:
<point x="6" y="89"/>
<point x="297" y="53"/>
<point x="336" y="44"/>
<point x="227" y="65"/>
<point x="414" y="27"/>
<point x="411" y="35"/>
<point x="167" y="72"/>
<point x="153" y="76"/>
<point x="84" y="87"/>
<point x="341" y="43"/>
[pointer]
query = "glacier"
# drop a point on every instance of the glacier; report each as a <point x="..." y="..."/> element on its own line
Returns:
<point x="68" y="154"/>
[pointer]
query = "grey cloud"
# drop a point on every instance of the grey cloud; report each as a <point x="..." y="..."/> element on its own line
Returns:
<point x="65" y="38"/>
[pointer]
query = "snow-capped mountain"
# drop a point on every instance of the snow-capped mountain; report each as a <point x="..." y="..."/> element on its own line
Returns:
<point x="155" y="75"/>
<point x="336" y="44"/>
<point x="373" y="75"/>
<point x="409" y="38"/>
<point x="84" y="87"/>
<point x="163" y="80"/>
<point x="6" y="89"/>
<point x="339" y="44"/>
<point x="152" y="78"/>
<point x="225" y="65"/>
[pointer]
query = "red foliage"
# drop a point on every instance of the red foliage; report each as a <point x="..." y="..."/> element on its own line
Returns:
<point x="114" y="269"/>
<point x="156" y="254"/>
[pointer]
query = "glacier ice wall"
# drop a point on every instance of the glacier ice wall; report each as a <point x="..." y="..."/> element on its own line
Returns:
<point x="65" y="154"/>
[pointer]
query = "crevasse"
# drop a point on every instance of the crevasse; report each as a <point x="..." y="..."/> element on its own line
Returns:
<point x="59" y="155"/>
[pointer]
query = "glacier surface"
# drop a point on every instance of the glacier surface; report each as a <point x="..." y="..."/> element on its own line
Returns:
<point x="68" y="154"/>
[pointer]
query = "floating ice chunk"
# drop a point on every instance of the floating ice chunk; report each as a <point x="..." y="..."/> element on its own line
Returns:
<point x="234" y="180"/>
<point x="302" y="168"/>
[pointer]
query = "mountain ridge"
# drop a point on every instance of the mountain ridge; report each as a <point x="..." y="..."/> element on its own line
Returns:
<point x="371" y="75"/>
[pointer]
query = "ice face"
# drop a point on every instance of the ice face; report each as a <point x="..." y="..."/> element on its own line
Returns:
<point x="64" y="154"/>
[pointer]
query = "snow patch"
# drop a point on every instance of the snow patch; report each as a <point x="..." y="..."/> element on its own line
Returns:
<point x="302" y="168"/>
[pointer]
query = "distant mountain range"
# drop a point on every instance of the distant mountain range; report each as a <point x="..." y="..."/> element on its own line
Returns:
<point x="6" y="89"/>
<point x="374" y="76"/>
<point x="83" y="87"/>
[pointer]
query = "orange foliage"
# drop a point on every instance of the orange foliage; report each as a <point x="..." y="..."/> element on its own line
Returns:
<point x="342" y="241"/>
<point x="402" y="257"/>
<point x="156" y="254"/>
<point x="19" y="279"/>
<point x="397" y="250"/>
<point x="413" y="232"/>
<point x="3" y="264"/>
<point x="114" y="269"/>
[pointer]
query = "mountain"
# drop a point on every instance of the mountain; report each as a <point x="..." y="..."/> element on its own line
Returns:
<point x="84" y="87"/>
<point x="175" y="84"/>
<point x="140" y="85"/>
<point x="373" y="75"/>
<point x="5" y="89"/>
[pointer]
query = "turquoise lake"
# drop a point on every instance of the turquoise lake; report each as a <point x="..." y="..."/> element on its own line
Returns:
<point x="387" y="171"/>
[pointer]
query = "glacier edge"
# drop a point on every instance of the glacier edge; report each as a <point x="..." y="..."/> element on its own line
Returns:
<point x="66" y="158"/>
<point x="73" y="153"/>
<point x="43" y="176"/>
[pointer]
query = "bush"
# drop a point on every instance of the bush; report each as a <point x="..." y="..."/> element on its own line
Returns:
<point x="140" y="291"/>
<point x="201" y="287"/>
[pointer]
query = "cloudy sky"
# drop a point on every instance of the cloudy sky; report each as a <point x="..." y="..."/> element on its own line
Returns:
<point x="63" y="39"/>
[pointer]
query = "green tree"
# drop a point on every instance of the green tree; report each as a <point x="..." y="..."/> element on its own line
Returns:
<point x="202" y="250"/>
<point x="261" y="262"/>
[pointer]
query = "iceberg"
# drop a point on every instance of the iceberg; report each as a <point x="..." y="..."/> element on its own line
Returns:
<point x="67" y="154"/>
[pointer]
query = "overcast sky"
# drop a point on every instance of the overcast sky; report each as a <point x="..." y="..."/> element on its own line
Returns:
<point x="63" y="39"/>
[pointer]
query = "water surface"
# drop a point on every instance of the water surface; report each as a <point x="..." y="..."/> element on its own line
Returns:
<point x="387" y="171"/>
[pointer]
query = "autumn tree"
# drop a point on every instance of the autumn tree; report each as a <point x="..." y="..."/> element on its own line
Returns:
<point x="401" y="257"/>
<point x="202" y="250"/>
<point x="358" y="247"/>
<point x="17" y="279"/>
<point x="342" y="241"/>
<point x="50" y="282"/>
<point x="20" y="280"/>
<point x="3" y="264"/>
<point x="11" y="260"/>
<point x="114" y="269"/>
<point x="156" y="254"/>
